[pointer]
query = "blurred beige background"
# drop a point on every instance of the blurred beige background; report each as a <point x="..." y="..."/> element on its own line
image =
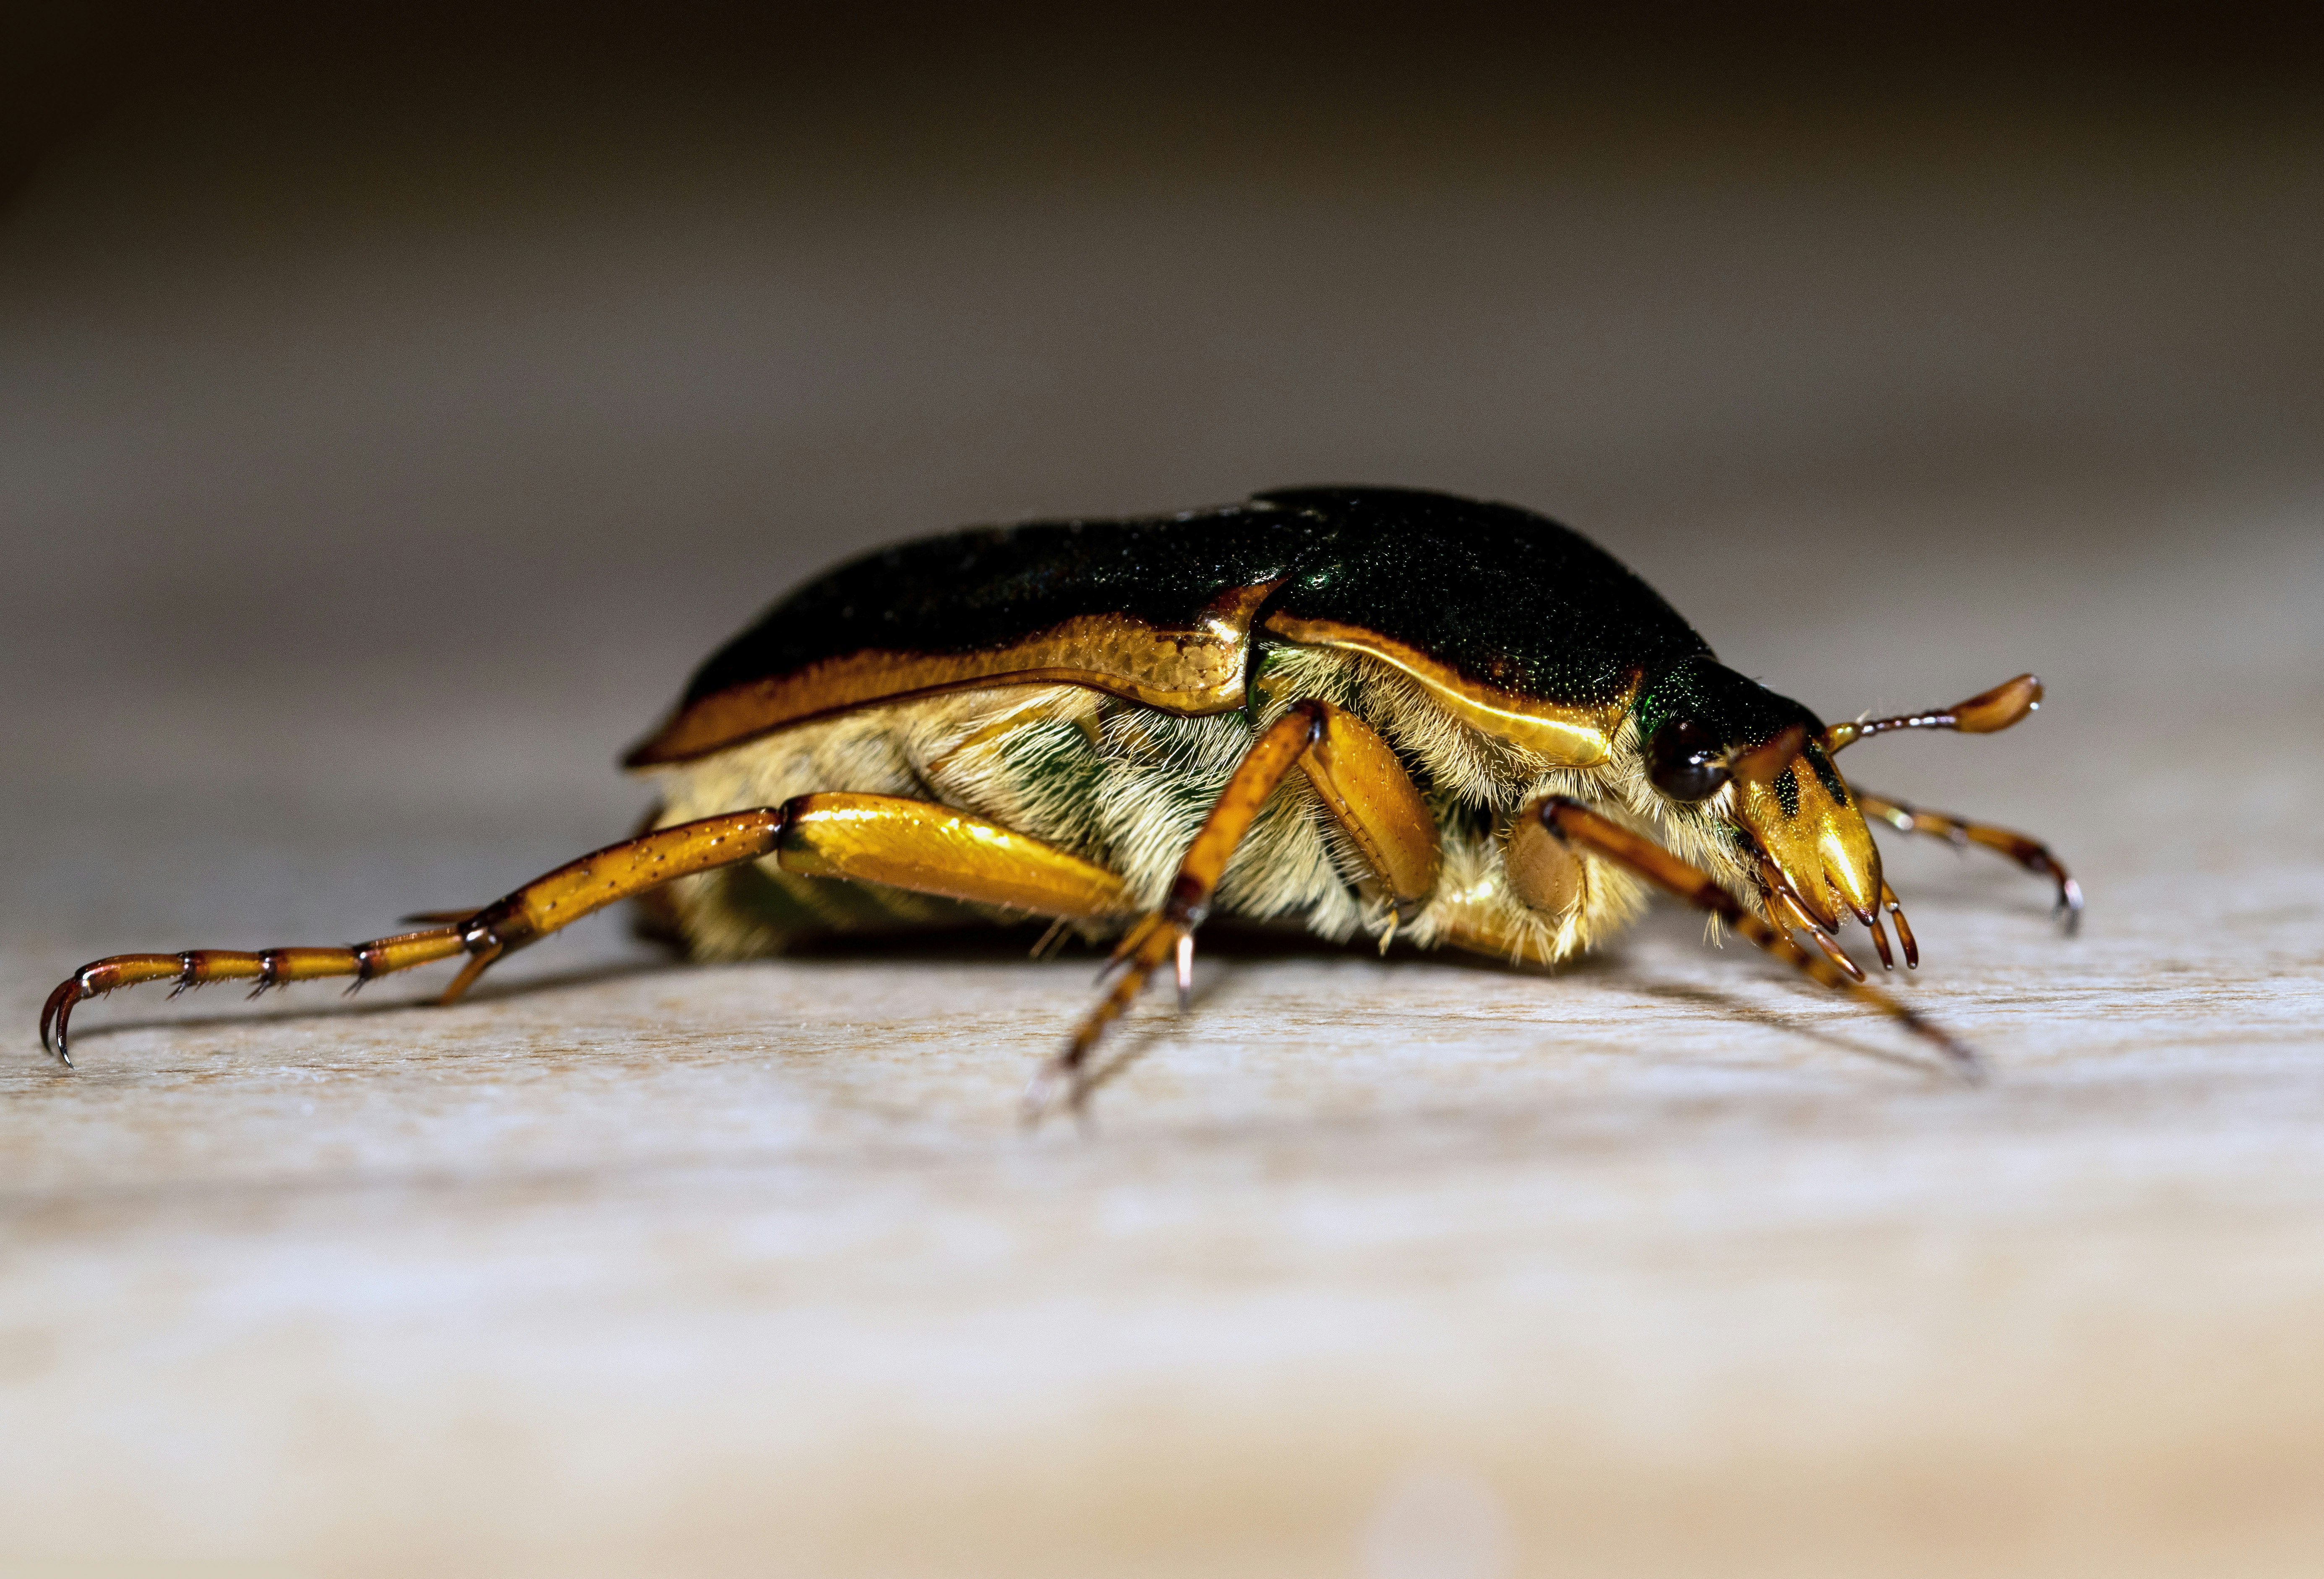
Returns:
<point x="394" y="410"/>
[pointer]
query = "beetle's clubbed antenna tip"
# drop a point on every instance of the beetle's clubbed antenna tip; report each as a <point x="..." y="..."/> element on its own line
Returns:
<point x="1991" y="712"/>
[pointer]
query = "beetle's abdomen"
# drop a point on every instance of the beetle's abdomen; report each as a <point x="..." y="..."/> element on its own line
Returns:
<point x="1116" y="784"/>
<point x="1120" y="784"/>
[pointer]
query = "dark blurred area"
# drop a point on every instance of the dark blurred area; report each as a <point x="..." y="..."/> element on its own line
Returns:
<point x="395" y="404"/>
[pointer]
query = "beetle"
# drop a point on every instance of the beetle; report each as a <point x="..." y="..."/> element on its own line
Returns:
<point x="1376" y="711"/>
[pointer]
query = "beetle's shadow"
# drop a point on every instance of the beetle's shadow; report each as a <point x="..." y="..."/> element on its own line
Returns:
<point x="1258" y="944"/>
<point x="1735" y="1008"/>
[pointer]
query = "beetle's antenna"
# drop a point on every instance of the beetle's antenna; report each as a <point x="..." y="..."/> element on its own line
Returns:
<point x="1988" y="712"/>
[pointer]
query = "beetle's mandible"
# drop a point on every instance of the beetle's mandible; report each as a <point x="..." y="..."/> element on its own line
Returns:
<point x="1361" y="709"/>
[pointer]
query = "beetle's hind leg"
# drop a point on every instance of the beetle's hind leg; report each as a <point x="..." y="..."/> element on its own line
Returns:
<point x="532" y="912"/>
<point x="2028" y="852"/>
<point x="1575" y="823"/>
<point x="878" y="839"/>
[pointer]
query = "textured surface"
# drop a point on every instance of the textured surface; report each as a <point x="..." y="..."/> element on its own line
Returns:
<point x="345" y="556"/>
<point x="1662" y="1259"/>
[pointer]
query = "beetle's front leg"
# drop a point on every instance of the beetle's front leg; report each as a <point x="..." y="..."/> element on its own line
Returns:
<point x="1364" y="787"/>
<point x="2029" y="853"/>
<point x="1574" y="823"/>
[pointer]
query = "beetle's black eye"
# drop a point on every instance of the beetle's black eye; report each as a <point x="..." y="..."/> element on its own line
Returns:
<point x="1686" y="761"/>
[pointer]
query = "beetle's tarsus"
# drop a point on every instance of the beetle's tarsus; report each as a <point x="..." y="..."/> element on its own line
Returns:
<point x="1141" y="952"/>
<point x="1880" y="940"/>
<point x="53" y="1015"/>
<point x="1789" y="913"/>
<point x="2029" y="853"/>
<point x="1836" y="954"/>
<point x="541" y="906"/>
<point x="1126" y="948"/>
<point x="1895" y="909"/>
<point x="96" y="979"/>
<point x="2068" y="907"/>
<point x="480" y="957"/>
<point x="1788" y="916"/>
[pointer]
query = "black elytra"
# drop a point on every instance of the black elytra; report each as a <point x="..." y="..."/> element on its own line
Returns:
<point x="1498" y="595"/>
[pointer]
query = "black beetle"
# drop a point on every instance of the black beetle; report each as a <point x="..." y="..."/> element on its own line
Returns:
<point x="1502" y="736"/>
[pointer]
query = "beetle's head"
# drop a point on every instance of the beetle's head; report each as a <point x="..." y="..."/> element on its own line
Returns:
<point x="1755" y="761"/>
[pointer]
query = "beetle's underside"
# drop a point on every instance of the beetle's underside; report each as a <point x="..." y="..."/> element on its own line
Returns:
<point x="1126" y="788"/>
<point x="1280" y="711"/>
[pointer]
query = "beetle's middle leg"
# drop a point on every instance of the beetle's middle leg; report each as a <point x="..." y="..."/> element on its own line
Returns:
<point x="880" y="839"/>
<point x="2029" y="853"/>
<point x="1362" y="784"/>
